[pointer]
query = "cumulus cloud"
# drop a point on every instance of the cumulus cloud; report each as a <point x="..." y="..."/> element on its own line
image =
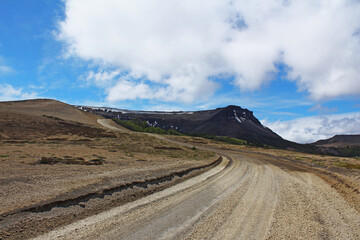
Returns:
<point x="180" y="45"/>
<point x="8" y="93"/>
<point x="311" y="129"/>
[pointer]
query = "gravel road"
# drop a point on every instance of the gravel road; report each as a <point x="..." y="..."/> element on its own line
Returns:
<point x="247" y="199"/>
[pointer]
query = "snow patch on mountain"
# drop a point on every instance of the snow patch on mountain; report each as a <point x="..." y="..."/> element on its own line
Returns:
<point x="241" y="119"/>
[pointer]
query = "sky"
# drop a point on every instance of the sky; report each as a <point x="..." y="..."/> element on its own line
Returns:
<point x="296" y="64"/>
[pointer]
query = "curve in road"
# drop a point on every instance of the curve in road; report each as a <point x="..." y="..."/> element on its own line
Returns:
<point x="248" y="199"/>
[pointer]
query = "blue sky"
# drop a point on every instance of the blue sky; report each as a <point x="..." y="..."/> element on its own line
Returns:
<point x="189" y="56"/>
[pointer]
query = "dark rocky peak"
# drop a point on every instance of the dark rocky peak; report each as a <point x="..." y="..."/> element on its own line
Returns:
<point x="238" y="113"/>
<point x="231" y="121"/>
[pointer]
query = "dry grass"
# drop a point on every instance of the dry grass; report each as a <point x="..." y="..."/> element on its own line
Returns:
<point x="125" y="158"/>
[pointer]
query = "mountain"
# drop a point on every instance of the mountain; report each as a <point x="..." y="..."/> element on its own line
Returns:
<point x="339" y="141"/>
<point x="231" y="121"/>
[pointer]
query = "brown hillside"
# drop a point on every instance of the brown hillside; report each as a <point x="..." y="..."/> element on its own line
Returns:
<point x="42" y="118"/>
<point x="49" y="107"/>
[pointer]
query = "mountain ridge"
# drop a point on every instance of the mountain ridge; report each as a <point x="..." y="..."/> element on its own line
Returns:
<point x="231" y="121"/>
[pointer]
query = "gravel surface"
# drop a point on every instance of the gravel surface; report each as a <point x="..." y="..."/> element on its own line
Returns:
<point x="249" y="199"/>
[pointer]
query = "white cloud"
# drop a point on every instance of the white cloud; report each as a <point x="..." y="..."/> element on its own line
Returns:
<point x="102" y="78"/>
<point x="311" y="129"/>
<point x="177" y="88"/>
<point x="8" y="93"/>
<point x="127" y="90"/>
<point x="179" y="44"/>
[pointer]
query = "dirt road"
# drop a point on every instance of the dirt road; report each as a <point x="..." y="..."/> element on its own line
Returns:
<point x="248" y="199"/>
<point x="110" y="124"/>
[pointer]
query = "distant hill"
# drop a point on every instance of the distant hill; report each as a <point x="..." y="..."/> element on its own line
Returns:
<point x="340" y="145"/>
<point x="231" y="121"/>
<point x="339" y="141"/>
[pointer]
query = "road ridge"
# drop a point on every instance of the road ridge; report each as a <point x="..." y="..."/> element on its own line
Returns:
<point x="140" y="202"/>
<point x="80" y="200"/>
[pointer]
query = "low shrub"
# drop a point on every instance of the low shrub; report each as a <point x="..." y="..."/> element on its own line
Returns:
<point x="142" y="126"/>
